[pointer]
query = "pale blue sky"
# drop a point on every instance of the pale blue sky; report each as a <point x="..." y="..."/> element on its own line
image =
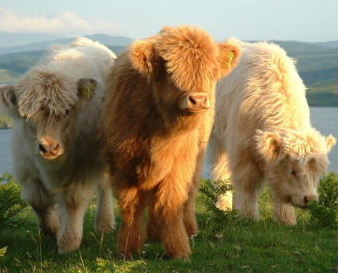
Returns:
<point x="305" y="20"/>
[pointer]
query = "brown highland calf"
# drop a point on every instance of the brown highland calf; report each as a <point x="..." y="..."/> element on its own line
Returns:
<point x="155" y="125"/>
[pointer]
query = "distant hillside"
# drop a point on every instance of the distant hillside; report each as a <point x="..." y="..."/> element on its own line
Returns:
<point x="15" y="64"/>
<point x="43" y="45"/>
<point x="332" y="44"/>
<point x="15" y="39"/>
<point x="317" y="64"/>
<point x="295" y="47"/>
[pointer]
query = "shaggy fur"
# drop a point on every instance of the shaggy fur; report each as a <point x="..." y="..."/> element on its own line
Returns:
<point x="262" y="131"/>
<point x="56" y="107"/>
<point x="154" y="139"/>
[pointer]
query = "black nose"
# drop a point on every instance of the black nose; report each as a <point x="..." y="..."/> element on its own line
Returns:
<point x="198" y="100"/>
<point x="192" y="100"/>
<point x="309" y="198"/>
<point x="42" y="148"/>
<point x="47" y="148"/>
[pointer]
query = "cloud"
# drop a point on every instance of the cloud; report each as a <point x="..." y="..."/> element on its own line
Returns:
<point x="64" y="23"/>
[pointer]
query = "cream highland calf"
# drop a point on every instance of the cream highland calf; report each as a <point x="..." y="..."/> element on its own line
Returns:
<point x="262" y="132"/>
<point x="55" y="107"/>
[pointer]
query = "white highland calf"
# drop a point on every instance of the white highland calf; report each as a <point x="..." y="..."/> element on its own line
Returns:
<point x="55" y="107"/>
<point x="262" y="132"/>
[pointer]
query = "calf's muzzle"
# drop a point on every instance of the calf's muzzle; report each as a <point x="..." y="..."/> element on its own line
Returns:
<point x="49" y="148"/>
<point x="195" y="102"/>
<point x="309" y="198"/>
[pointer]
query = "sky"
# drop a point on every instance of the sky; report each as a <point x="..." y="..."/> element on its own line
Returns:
<point x="302" y="20"/>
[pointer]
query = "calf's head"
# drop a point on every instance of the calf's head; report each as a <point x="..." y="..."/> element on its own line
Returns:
<point x="294" y="163"/>
<point x="183" y="64"/>
<point x="47" y="105"/>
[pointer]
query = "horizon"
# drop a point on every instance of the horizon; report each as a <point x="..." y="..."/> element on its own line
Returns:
<point x="61" y="37"/>
<point x="258" y="20"/>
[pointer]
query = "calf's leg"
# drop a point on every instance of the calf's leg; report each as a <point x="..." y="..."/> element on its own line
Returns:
<point x="73" y="204"/>
<point x="131" y="235"/>
<point x="247" y="183"/>
<point x="105" y="219"/>
<point x="169" y="208"/>
<point x="285" y="213"/>
<point x="190" y="221"/>
<point x="43" y="204"/>
<point x="153" y="227"/>
<point x="218" y="160"/>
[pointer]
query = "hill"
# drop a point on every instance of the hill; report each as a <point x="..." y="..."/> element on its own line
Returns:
<point x="43" y="45"/>
<point x="15" y="39"/>
<point x="332" y="44"/>
<point x="317" y="63"/>
<point x="15" y="64"/>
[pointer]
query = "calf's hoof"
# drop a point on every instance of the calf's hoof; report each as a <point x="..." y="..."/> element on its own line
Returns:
<point x="191" y="230"/>
<point x="68" y="244"/>
<point x="50" y="225"/>
<point x="47" y="231"/>
<point x="292" y="221"/>
<point x="179" y="255"/>
<point x="130" y="251"/>
<point x="286" y="214"/>
<point x="105" y="226"/>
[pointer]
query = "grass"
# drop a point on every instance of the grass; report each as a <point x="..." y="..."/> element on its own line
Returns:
<point x="224" y="244"/>
<point x="323" y="94"/>
<point x="5" y="121"/>
<point x="6" y="77"/>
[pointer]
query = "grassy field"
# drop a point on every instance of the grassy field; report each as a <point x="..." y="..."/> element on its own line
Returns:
<point x="323" y="94"/>
<point x="224" y="244"/>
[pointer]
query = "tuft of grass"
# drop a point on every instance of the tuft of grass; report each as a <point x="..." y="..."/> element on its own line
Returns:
<point x="11" y="205"/>
<point x="3" y="251"/>
<point x="210" y="192"/>
<point x="325" y="211"/>
<point x="5" y="121"/>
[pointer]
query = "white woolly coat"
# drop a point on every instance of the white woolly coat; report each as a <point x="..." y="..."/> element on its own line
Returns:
<point x="264" y="92"/>
<point x="81" y="59"/>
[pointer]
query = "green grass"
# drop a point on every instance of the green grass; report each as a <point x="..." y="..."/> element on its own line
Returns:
<point x="5" y="121"/>
<point x="6" y="77"/>
<point x="323" y="94"/>
<point x="224" y="244"/>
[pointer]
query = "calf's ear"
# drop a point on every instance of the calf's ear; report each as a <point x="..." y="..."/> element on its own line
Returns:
<point x="143" y="56"/>
<point x="268" y="144"/>
<point x="330" y="142"/>
<point x="86" y="88"/>
<point x="228" y="57"/>
<point x="166" y="29"/>
<point x="8" y="99"/>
